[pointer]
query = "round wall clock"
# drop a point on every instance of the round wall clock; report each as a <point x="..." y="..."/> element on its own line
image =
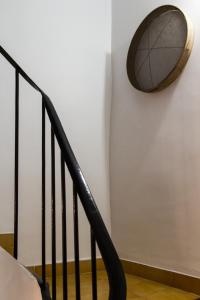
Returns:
<point x="159" y="49"/>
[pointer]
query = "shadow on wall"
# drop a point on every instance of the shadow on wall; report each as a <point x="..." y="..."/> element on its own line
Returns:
<point x="107" y="114"/>
<point x="146" y="174"/>
<point x="142" y="172"/>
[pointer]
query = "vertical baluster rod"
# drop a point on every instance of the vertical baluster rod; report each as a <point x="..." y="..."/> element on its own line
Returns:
<point x="16" y="179"/>
<point x="53" y="215"/>
<point x="64" y="229"/>
<point x="76" y="244"/>
<point x="43" y="196"/>
<point x="94" y="266"/>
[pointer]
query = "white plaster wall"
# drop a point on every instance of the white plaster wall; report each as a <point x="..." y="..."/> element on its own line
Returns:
<point x="65" y="47"/>
<point x="155" y="154"/>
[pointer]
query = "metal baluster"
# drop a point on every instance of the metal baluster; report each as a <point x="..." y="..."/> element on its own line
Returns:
<point x="94" y="266"/>
<point x="76" y="244"/>
<point x="53" y="215"/>
<point x="16" y="184"/>
<point x="43" y="197"/>
<point x="64" y="229"/>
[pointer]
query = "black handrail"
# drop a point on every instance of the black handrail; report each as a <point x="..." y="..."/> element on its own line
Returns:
<point x="111" y="260"/>
<point x="16" y="163"/>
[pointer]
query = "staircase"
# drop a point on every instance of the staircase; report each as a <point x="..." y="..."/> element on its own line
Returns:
<point x="81" y="194"/>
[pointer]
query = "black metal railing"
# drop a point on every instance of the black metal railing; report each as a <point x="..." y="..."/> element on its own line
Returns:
<point x="81" y="192"/>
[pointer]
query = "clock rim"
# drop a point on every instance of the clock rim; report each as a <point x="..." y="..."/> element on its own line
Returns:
<point x="181" y="62"/>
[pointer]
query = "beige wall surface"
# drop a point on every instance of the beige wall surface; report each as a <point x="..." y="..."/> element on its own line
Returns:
<point x="155" y="154"/>
<point x="65" y="47"/>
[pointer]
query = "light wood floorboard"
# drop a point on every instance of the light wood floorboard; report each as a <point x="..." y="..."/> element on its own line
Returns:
<point x="138" y="289"/>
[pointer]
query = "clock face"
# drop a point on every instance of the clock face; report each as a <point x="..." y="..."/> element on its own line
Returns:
<point x="160" y="49"/>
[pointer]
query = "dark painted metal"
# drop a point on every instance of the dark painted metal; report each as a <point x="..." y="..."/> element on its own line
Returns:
<point x="44" y="288"/>
<point x="19" y="69"/>
<point x="117" y="281"/>
<point x="64" y="229"/>
<point x="76" y="244"/>
<point x="43" y="196"/>
<point x="94" y="266"/>
<point x="112" y="263"/>
<point x="16" y="187"/>
<point x="53" y="215"/>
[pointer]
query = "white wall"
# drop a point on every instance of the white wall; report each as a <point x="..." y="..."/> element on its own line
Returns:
<point x="65" y="47"/>
<point x="155" y="154"/>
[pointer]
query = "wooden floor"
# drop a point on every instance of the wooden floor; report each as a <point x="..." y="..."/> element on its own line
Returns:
<point x="138" y="288"/>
